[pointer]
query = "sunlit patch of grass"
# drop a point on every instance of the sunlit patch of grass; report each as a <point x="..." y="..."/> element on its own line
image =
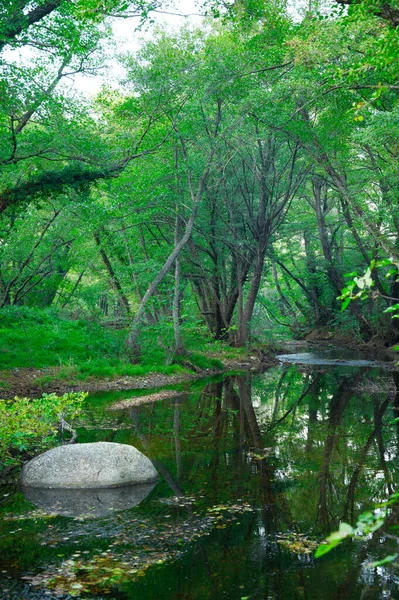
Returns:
<point x="117" y="368"/>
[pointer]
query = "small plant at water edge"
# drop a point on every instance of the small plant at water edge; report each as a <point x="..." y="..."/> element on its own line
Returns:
<point x="31" y="425"/>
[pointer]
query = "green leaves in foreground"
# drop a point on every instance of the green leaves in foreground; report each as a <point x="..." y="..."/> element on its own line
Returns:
<point x="367" y="523"/>
<point x="345" y="530"/>
<point x="385" y="561"/>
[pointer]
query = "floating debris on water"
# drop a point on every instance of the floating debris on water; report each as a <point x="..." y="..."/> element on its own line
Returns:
<point x="298" y="543"/>
<point x="165" y="395"/>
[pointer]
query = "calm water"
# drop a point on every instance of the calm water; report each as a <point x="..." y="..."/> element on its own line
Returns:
<point x="253" y="473"/>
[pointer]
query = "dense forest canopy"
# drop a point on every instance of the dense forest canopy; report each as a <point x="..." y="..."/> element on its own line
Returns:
<point x="236" y="180"/>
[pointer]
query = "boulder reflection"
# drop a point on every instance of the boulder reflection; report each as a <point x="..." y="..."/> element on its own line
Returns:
<point x="88" y="503"/>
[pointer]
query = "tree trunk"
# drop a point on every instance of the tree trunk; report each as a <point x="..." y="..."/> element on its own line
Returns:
<point x="253" y="293"/>
<point x="176" y="311"/>
<point x="115" y="283"/>
<point x="132" y="341"/>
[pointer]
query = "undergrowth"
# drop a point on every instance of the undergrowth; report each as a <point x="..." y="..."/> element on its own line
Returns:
<point x="29" y="426"/>
<point x="81" y="349"/>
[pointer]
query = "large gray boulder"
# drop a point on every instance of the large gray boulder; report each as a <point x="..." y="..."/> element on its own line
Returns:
<point x="83" y="466"/>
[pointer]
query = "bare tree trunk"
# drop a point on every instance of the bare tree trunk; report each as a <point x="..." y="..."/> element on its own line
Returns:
<point x="132" y="341"/>
<point x="319" y="188"/>
<point x="253" y="293"/>
<point x="179" y="348"/>
<point x="115" y="283"/>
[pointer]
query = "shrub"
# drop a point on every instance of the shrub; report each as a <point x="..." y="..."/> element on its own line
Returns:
<point x="28" y="426"/>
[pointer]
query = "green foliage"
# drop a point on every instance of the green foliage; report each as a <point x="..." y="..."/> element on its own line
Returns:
<point x="84" y="226"/>
<point x="30" y="425"/>
<point x="37" y="338"/>
<point x="361" y="287"/>
<point x="367" y="523"/>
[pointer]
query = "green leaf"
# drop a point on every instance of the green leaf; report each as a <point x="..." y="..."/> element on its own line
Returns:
<point x="383" y="263"/>
<point x="344" y="530"/>
<point x="325" y="548"/>
<point x="391" y="273"/>
<point x="392" y="308"/>
<point x="385" y="561"/>
<point x="345" y="303"/>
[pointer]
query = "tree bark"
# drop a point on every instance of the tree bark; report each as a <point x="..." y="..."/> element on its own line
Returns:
<point x="176" y="310"/>
<point x="115" y="283"/>
<point x="132" y="341"/>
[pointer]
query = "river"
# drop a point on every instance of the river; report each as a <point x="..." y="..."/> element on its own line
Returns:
<point x="255" y="471"/>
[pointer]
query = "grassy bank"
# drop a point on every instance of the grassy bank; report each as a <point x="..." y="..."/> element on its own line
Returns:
<point x="66" y="349"/>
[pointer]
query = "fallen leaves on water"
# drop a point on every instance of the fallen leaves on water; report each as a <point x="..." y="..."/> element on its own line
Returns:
<point x="32" y="514"/>
<point x="136" y="546"/>
<point x="181" y="501"/>
<point x="239" y="508"/>
<point x="298" y="543"/>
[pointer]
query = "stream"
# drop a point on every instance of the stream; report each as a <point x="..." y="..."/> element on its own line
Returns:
<point x="255" y="471"/>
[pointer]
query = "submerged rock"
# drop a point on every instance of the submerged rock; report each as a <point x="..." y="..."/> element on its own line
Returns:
<point x="89" y="503"/>
<point x="94" y="465"/>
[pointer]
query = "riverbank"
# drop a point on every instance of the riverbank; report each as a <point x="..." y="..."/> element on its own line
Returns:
<point x="328" y="338"/>
<point x="30" y="382"/>
<point x="34" y="382"/>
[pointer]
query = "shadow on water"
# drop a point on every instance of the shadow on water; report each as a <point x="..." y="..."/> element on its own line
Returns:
<point x="255" y="471"/>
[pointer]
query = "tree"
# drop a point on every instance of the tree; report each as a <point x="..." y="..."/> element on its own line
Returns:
<point x="41" y="125"/>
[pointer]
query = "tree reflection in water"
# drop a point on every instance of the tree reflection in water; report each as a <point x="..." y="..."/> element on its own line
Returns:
<point x="307" y="450"/>
<point x="255" y="470"/>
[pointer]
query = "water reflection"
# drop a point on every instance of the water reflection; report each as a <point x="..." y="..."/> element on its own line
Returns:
<point x="294" y="452"/>
<point x="308" y="450"/>
<point x="88" y="503"/>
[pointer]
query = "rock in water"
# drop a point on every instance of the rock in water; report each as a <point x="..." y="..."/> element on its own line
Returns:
<point x="83" y="466"/>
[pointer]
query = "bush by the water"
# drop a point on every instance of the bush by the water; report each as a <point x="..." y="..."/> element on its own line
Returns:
<point x="29" y="426"/>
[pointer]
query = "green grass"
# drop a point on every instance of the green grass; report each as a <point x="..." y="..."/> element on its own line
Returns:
<point x="38" y="338"/>
<point x="42" y="339"/>
<point x="118" y="368"/>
